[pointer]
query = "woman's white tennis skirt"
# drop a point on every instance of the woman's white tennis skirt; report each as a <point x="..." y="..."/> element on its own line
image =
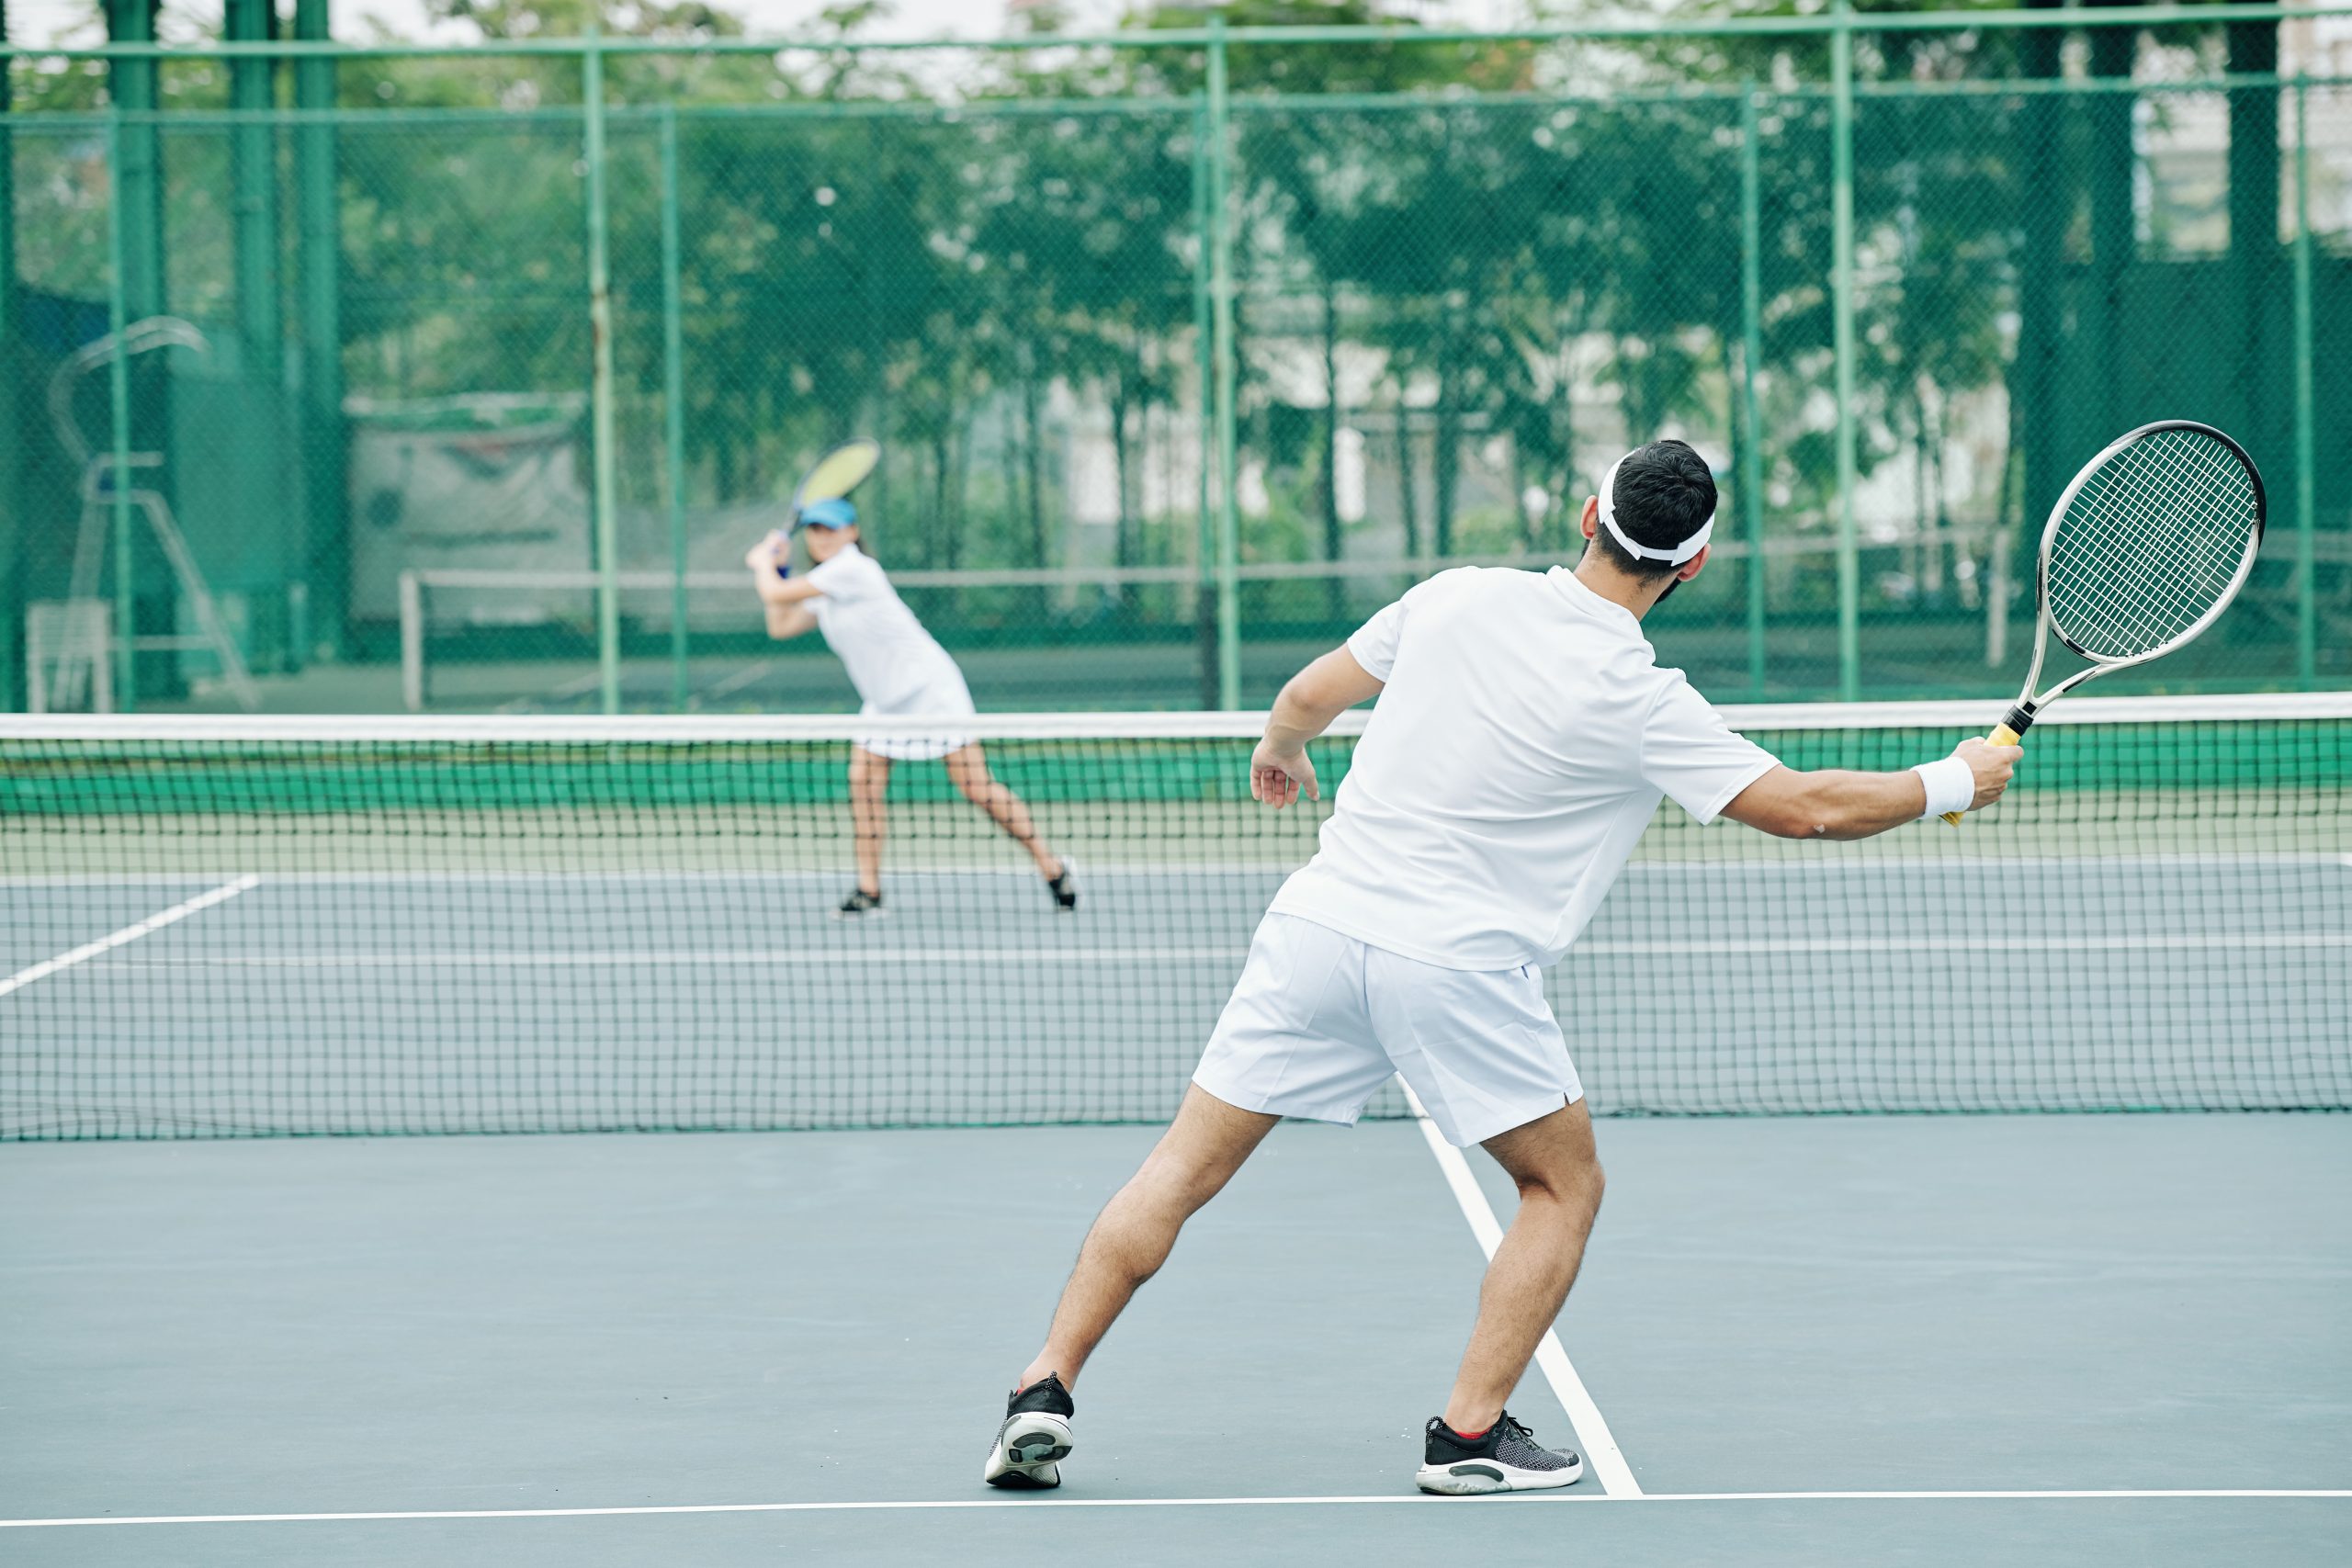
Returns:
<point x="1319" y="1020"/>
<point x="942" y="695"/>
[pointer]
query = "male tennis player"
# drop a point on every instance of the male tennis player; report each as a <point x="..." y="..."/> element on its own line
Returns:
<point x="899" y="670"/>
<point x="1524" y="738"/>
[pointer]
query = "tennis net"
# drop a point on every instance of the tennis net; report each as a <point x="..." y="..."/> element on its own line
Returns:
<point x="270" y="927"/>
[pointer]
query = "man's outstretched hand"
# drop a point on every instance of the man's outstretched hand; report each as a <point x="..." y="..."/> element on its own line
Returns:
<point x="1278" y="776"/>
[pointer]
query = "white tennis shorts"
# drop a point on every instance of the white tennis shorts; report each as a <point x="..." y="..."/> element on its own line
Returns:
<point x="942" y="694"/>
<point x="1319" y="1020"/>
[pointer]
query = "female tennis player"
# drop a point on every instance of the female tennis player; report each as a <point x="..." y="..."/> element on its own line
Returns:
<point x="899" y="671"/>
<point x="1524" y="735"/>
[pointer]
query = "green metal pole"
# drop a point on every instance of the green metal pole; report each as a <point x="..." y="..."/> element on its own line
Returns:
<point x="126" y="685"/>
<point x="600" y="389"/>
<point x="326" y="518"/>
<point x="1205" y="553"/>
<point x="1751" y="349"/>
<point x="254" y="182"/>
<point x="1850" y="571"/>
<point x="136" y="211"/>
<point x="13" y="440"/>
<point x="673" y="402"/>
<point x="1228" y="537"/>
<point x="2306" y="441"/>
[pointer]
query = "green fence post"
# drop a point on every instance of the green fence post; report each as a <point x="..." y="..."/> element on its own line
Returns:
<point x="1205" y="548"/>
<point x="136" y="211"/>
<point x="1229" y="538"/>
<point x="673" y="403"/>
<point x="126" y="576"/>
<point x="254" y="181"/>
<point x="1850" y="572"/>
<point x="2306" y="443"/>
<point x="1751" y="311"/>
<point x="600" y="388"/>
<point x="14" y="441"/>
<point x="327" y="502"/>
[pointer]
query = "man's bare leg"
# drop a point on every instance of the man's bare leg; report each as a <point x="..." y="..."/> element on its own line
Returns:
<point x="1558" y="1173"/>
<point x="1131" y="1236"/>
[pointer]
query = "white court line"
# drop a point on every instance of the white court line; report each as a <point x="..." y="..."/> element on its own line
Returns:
<point x="1599" y="1444"/>
<point x="155" y="923"/>
<point x="746" y="676"/>
<point x="625" y="959"/>
<point x="1153" y="869"/>
<point x="1406" y="1499"/>
<point x="1924" y="944"/>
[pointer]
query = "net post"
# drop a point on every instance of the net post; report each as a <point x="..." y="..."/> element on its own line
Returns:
<point x="673" y="393"/>
<point x="1841" y="72"/>
<point x="600" y="391"/>
<point x="2306" y="449"/>
<point x="1751" y="294"/>
<point x="1229" y="533"/>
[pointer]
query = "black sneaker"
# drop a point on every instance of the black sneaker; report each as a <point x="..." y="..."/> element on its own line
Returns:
<point x="1035" y="1435"/>
<point x="862" y="905"/>
<point x="1064" y="889"/>
<point x="1504" y="1458"/>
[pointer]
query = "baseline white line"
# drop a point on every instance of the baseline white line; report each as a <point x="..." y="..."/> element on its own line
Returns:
<point x="1827" y="947"/>
<point x="1407" y="1499"/>
<point x="1592" y="1429"/>
<point x="889" y="955"/>
<point x="155" y="923"/>
<point x="748" y="675"/>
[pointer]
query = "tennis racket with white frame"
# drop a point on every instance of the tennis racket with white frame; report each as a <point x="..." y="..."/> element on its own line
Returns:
<point x="2143" y="551"/>
<point x="833" y="476"/>
<point x="836" y="474"/>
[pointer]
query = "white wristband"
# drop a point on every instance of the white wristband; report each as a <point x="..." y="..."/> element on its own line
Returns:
<point x="1951" y="785"/>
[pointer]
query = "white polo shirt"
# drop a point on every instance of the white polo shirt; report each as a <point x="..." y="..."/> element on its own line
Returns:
<point x="1524" y="739"/>
<point x="897" y="667"/>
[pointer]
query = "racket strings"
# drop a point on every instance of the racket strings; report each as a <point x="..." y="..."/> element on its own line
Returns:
<point x="2150" y="544"/>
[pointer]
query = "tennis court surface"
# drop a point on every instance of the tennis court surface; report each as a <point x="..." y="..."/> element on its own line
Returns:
<point x="1824" y="1317"/>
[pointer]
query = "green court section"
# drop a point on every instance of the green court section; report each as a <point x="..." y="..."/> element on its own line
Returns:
<point x="2296" y="756"/>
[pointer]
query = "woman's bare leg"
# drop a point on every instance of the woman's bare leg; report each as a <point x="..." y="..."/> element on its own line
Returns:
<point x="869" y="786"/>
<point x="969" y="770"/>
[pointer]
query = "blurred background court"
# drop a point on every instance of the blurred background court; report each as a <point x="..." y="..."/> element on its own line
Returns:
<point x="1189" y="344"/>
<point x="382" y="423"/>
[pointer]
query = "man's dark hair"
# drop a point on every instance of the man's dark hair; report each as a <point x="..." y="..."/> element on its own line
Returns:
<point x="1664" y="495"/>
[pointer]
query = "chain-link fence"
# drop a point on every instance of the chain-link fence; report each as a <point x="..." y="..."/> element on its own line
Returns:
<point x="1186" y="350"/>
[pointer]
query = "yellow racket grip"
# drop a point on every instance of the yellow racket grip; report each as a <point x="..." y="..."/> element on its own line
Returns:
<point x="2002" y="735"/>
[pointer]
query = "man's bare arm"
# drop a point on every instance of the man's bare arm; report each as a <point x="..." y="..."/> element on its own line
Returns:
<point x="1278" y="771"/>
<point x="1834" y="803"/>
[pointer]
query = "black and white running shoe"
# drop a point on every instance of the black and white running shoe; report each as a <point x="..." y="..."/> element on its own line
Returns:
<point x="1035" y="1436"/>
<point x="1065" y="888"/>
<point x="1503" y="1458"/>
<point x="861" y="906"/>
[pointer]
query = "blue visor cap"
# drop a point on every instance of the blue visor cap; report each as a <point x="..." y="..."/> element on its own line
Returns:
<point x="828" y="514"/>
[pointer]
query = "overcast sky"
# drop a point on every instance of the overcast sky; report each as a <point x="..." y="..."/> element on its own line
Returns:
<point x="49" y="21"/>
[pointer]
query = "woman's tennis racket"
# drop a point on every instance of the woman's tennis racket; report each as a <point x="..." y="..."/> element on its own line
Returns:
<point x="836" y="474"/>
<point x="2143" y="551"/>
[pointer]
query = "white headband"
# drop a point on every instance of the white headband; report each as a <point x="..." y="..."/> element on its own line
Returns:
<point x="1675" y="557"/>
